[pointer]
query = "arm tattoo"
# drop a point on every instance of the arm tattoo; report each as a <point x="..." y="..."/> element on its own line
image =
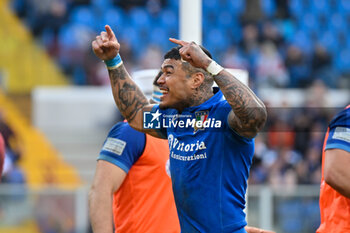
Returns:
<point x="127" y="95"/>
<point x="249" y="111"/>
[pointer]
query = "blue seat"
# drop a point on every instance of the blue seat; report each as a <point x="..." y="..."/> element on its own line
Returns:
<point x="79" y="76"/>
<point x="82" y="15"/>
<point x="225" y="19"/>
<point x="67" y="35"/>
<point x="211" y="9"/>
<point x="287" y="29"/>
<point x="135" y="39"/>
<point x="237" y="7"/>
<point x="209" y="19"/>
<point x="47" y="37"/>
<point x="320" y="7"/>
<point x="329" y="41"/>
<point x="115" y="17"/>
<point x="216" y="41"/>
<point x="140" y="18"/>
<point x="169" y="20"/>
<point x="74" y="40"/>
<point x="209" y="5"/>
<point x="347" y="36"/>
<point x="268" y="7"/>
<point x="302" y="40"/>
<point x="344" y="7"/>
<point x="160" y="37"/>
<point x="343" y="61"/>
<point x="102" y="4"/>
<point x="309" y="23"/>
<point x="296" y="8"/>
<point x="337" y="23"/>
<point x="235" y="32"/>
<point x="174" y="4"/>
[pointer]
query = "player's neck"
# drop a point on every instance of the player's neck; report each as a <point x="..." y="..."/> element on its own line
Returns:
<point x="197" y="98"/>
<point x="200" y="96"/>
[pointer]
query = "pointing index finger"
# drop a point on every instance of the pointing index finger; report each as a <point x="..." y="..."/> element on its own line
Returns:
<point x="109" y="31"/>
<point x="179" y="42"/>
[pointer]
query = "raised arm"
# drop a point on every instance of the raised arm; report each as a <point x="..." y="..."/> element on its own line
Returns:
<point x="127" y="95"/>
<point x="248" y="113"/>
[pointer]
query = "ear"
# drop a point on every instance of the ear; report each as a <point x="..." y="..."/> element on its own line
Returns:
<point x="197" y="79"/>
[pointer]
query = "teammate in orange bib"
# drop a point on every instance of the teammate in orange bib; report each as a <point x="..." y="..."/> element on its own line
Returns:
<point x="335" y="183"/>
<point x="132" y="165"/>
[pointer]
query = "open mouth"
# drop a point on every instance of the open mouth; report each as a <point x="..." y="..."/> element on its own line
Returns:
<point x="164" y="92"/>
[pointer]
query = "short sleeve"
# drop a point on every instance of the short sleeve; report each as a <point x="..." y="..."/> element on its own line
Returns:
<point x="339" y="132"/>
<point x="123" y="146"/>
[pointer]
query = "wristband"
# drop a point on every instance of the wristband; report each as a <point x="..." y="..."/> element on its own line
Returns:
<point x="214" y="68"/>
<point x="114" y="63"/>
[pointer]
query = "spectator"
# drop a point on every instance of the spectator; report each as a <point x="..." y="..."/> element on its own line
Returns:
<point x="253" y="12"/>
<point x="12" y="144"/>
<point x="2" y="154"/>
<point x="151" y="58"/>
<point x="233" y="59"/>
<point x="270" y="70"/>
<point x="298" y="67"/>
<point x="271" y="33"/>
<point x="322" y="66"/>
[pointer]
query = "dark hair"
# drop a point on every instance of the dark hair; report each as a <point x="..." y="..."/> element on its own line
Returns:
<point x="175" y="54"/>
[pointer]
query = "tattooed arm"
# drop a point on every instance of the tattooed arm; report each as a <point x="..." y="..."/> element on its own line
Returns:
<point x="127" y="95"/>
<point x="248" y="113"/>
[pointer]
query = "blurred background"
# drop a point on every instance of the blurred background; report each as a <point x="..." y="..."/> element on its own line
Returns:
<point x="56" y="105"/>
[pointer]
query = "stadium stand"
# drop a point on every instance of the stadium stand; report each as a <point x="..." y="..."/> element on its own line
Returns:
<point x="283" y="44"/>
<point x="225" y="25"/>
<point x="40" y="162"/>
<point x="16" y="39"/>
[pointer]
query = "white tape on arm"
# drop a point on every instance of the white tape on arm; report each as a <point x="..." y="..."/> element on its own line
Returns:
<point x="214" y="68"/>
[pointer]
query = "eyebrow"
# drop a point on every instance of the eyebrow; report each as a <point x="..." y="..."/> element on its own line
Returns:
<point x="167" y="66"/>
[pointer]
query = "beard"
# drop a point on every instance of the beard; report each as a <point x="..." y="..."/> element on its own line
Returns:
<point x="163" y="106"/>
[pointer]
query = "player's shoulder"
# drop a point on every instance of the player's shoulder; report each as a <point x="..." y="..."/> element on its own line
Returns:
<point x="342" y="118"/>
<point x="123" y="128"/>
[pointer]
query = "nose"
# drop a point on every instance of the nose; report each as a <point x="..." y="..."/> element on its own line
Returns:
<point x="161" y="80"/>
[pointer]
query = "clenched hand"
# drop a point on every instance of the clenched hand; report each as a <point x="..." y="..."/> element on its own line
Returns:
<point x="106" y="45"/>
<point x="193" y="54"/>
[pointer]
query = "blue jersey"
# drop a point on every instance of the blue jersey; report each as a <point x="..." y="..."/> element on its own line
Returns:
<point x="209" y="165"/>
<point x="339" y="131"/>
<point x="114" y="149"/>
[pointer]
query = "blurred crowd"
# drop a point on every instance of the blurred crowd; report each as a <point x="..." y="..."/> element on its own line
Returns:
<point x="289" y="151"/>
<point x="281" y="43"/>
<point x="12" y="173"/>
